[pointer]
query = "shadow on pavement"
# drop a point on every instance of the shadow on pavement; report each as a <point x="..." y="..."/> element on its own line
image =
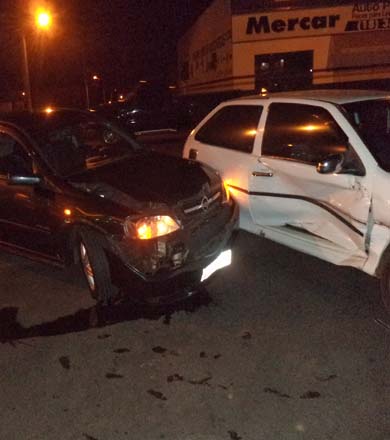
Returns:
<point x="97" y="316"/>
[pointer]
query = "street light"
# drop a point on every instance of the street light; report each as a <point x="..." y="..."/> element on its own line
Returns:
<point x="43" y="21"/>
<point x="98" y="80"/>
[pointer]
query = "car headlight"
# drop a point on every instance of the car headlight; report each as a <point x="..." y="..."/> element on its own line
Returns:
<point x="151" y="227"/>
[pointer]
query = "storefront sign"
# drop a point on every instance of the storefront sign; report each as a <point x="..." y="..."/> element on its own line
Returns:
<point x="212" y="57"/>
<point x="357" y="17"/>
<point x="265" y="25"/>
<point x="369" y="16"/>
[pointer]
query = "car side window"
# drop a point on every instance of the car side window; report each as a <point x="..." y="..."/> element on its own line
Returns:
<point x="232" y="127"/>
<point x="304" y="133"/>
<point x="13" y="158"/>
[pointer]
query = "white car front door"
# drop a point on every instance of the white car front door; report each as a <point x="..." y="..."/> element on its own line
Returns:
<point x="291" y="202"/>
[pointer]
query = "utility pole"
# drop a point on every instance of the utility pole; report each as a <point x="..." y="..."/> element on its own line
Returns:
<point x="43" y="21"/>
<point x="26" y="74"/>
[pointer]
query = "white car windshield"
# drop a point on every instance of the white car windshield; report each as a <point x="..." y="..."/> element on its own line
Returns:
<point x="372" y="121"/>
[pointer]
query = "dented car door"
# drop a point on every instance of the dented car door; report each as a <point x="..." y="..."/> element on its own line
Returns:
<point x="308" y="188"/>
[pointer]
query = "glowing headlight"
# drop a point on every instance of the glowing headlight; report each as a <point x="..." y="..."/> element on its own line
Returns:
<point x="151" y="227"/>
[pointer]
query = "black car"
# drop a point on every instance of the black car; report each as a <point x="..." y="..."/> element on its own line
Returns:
<point x="146" y="108"/>
<point x="139" y="118"/>
<point x="75" y="188"/>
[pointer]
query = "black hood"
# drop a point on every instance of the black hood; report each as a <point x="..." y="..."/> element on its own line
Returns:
<point x="149" y="178"/>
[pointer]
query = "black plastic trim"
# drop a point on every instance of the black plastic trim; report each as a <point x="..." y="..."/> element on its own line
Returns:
<point x="304" y="198"/>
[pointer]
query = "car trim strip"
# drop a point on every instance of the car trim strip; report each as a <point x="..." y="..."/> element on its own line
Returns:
<point x="28" y="227"/>
<point x="31" y="254"/>
<point x="306" y="199"/>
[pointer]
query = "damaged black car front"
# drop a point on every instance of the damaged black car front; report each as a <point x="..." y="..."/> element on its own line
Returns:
<point x="151" y="225"/>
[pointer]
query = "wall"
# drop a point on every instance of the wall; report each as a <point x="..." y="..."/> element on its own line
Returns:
<point x="205" y="52"/>
<point x="350" y="43"/>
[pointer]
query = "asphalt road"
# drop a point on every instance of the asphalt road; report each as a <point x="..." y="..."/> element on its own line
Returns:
<point x="280" y="346"/>
<point x="284" y="347"/>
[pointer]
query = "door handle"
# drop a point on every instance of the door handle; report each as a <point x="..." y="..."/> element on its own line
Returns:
<point x="262" y="173"/>
<point x="193" y="154"/>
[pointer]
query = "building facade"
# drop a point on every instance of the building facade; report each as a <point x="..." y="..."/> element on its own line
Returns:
<point x="247" y="45"/>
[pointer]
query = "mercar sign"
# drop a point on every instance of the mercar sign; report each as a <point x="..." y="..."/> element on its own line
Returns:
<point x="265" y="25"/>
<point x="358" y="17"/>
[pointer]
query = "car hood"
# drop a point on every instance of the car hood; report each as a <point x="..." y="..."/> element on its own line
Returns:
<point x="151" y="178"/>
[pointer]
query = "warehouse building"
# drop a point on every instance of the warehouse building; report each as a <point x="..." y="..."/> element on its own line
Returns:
<point x="244" y="46"/>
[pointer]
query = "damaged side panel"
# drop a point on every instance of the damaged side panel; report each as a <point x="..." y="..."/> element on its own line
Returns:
<point x="332" y="210"/>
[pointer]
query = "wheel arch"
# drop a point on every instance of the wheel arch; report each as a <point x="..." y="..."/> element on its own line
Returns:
<point x="69" y="236"/>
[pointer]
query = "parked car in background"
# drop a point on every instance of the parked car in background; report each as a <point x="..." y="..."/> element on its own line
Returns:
<point x="310" y="170"/>
<point x="74" y="188"/>
<point x="148" y="107"/>
<point x="152" y="106"/>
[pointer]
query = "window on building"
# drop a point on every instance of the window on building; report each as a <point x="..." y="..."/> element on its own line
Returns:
<point x="303" y="133"/>
<point x="232" y="127"/>
<point x="284" y="71"/>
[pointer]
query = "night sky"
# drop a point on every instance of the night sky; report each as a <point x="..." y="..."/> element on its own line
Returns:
<point x="122" y="41"/>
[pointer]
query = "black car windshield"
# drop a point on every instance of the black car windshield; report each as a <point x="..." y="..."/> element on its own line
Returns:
<point x="72" y="142"/>
<point x="372" y="121"/>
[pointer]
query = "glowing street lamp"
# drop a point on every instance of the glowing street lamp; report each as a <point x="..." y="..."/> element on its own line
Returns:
<point x="98" y="80"/>
<point x="43" y="21"/>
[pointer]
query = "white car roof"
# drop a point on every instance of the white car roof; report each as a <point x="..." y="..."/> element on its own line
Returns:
<point x="336" y="96"/>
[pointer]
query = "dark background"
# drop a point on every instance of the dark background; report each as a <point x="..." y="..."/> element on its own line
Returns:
<point x="122" y="41"/>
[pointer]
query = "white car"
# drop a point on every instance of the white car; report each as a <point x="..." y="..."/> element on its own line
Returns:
<point x="310" y="170"/>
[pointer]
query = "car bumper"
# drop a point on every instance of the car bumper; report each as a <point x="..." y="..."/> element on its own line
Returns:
<point x="173" y="268"/>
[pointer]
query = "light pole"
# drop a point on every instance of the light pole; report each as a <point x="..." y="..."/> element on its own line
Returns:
<point x="43" y="21"/>
<point x="98" y="79"/>
<point x="26" y="75"/>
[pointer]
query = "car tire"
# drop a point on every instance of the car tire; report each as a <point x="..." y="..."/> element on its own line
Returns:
<point x="95" y="267"/>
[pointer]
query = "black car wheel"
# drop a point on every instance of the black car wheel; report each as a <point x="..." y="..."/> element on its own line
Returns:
<point x="95" y="266"/>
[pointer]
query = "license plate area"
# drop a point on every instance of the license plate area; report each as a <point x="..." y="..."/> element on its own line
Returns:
<point x="224" y="259"/>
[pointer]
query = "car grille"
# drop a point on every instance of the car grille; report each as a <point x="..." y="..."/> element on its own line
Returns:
<point x="200" y="204"/>
<point x="203" y="205"/>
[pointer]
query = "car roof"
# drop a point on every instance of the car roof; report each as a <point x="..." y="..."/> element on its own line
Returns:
<point x="336" y="96"/>
<point x="28" y="120"/>
<point x="22" y="118"/>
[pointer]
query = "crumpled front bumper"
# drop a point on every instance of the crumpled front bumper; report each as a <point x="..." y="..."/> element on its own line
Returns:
<point x="170" y="268"/>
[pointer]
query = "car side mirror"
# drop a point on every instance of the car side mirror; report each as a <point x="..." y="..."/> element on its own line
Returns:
<point x="331" y="164"/>
<point x="23" y="180"/>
